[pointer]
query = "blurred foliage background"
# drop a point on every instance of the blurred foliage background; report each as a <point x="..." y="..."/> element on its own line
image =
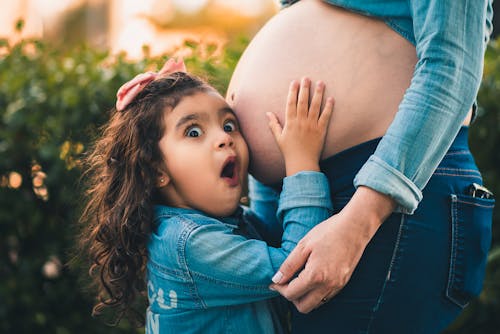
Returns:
<point x="52" y="101"/>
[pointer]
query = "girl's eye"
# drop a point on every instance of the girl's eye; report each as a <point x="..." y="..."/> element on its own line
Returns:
<point x="230" y="126"/>
<point x="194" y="131"/>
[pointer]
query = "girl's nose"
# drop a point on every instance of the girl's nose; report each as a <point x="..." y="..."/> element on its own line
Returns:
<point x="224" y="140"/>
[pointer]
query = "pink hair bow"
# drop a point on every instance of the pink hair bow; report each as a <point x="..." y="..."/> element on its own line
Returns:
<point x="130" y="89"/>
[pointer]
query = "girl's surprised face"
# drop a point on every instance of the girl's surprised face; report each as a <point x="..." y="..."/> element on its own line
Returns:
<point x="205" y="154"/>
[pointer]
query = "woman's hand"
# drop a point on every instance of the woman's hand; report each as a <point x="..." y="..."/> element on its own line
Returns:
<point x="330" y="252"/>
<point x="303" y="136"/>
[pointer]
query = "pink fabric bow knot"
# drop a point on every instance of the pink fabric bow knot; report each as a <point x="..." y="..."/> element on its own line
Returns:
<point x="130" y="89"/>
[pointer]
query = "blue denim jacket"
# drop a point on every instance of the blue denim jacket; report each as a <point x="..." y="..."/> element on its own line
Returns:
<point x="211" y="275"/>
<point x="450" y="39"/>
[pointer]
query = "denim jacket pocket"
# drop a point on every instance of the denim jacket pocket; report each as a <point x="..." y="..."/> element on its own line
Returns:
<point x="471" y="220"/>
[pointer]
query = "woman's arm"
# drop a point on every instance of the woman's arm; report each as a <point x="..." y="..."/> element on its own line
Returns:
<point x="450" y="49"/>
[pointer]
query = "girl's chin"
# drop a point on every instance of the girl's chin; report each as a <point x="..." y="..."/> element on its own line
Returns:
<point x="229" y="209"/>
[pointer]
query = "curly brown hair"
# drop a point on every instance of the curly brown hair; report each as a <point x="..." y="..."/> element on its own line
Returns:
<point x="121" y="172"/>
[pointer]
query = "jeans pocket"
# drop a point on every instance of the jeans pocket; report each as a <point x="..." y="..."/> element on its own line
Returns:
<point x="471" y="220"/>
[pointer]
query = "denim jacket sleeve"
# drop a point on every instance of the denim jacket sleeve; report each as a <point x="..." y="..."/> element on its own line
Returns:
<point x="264" y="204"/>
<point x="227" y="268"/>
<point x="450" y="47"/>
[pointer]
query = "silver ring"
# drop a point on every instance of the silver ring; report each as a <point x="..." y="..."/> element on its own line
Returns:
<point x="324" y="300"/>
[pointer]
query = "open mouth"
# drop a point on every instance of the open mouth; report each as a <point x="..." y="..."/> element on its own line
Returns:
<point x="229" y="171"/>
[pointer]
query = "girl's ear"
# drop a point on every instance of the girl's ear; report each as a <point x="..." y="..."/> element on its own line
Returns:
<point x="162" y="180"/>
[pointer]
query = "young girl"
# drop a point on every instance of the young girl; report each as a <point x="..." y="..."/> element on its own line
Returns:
<point x="164" y="217"/>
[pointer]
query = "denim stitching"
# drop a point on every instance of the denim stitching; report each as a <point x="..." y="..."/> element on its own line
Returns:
<point x="396" y="247"/>
<point x="462" y="175"/>
<point x="454" y="233"/>
<point x="474" y="171"/>
<point x="181" y="249"/>
<point x="463" y="152"/>
<point x="454" y="213"/>
<point x="486" y="206"/>
<point x="451" y="272"/>
<point x="231" y="284"/>
<point x="166" y="271"/>
<point x="388" y="277"/>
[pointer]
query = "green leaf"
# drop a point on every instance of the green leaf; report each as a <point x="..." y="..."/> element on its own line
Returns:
<point x="19" y="25"/>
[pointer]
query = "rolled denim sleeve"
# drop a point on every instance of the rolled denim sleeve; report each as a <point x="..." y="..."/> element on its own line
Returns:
<point x="450" y="46"/>
<point x="229" y="269"/>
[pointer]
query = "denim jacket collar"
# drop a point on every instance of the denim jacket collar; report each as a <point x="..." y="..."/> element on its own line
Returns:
<point x="233" y="220"/>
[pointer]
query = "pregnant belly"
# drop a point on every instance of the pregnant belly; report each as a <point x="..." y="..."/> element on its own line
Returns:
<point x="366" y="67"/>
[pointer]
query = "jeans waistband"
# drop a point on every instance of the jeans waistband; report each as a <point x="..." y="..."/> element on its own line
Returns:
<point x="342" y="167"/>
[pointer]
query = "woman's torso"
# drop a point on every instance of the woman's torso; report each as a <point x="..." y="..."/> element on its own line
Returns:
<point x="366" y="66"/>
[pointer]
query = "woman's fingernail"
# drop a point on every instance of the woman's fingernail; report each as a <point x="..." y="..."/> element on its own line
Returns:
<point x="277" y="277"/>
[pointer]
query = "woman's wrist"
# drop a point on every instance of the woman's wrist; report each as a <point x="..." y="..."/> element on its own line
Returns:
<point x="368" y="209"/>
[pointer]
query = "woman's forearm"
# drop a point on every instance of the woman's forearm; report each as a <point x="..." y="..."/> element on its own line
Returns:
<point x="444" y="86"/>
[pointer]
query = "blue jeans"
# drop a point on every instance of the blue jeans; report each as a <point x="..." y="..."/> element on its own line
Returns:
<point x="419" y="271"/>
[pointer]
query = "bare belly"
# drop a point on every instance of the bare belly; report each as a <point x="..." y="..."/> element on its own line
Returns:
<point x="366" y="67"/>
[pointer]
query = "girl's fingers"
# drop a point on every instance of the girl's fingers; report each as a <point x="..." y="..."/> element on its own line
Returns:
<point x="317" y="98"/>
<point x="274" y="125"/>
<point x="303" y="101"/>
<point x="326" y="114"/>
<point x="291" y="104"/>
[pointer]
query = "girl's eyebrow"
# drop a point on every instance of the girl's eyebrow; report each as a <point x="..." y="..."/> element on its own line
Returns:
<point x="188" y="118"/>
<point x="198" y="116"/>
<point x="226" y="110"/>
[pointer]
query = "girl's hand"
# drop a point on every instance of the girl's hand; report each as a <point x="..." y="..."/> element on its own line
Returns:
<point x="303" y="136"/>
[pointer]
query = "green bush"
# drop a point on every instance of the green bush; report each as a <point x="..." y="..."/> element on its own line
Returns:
<point x="51" y="104"/>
